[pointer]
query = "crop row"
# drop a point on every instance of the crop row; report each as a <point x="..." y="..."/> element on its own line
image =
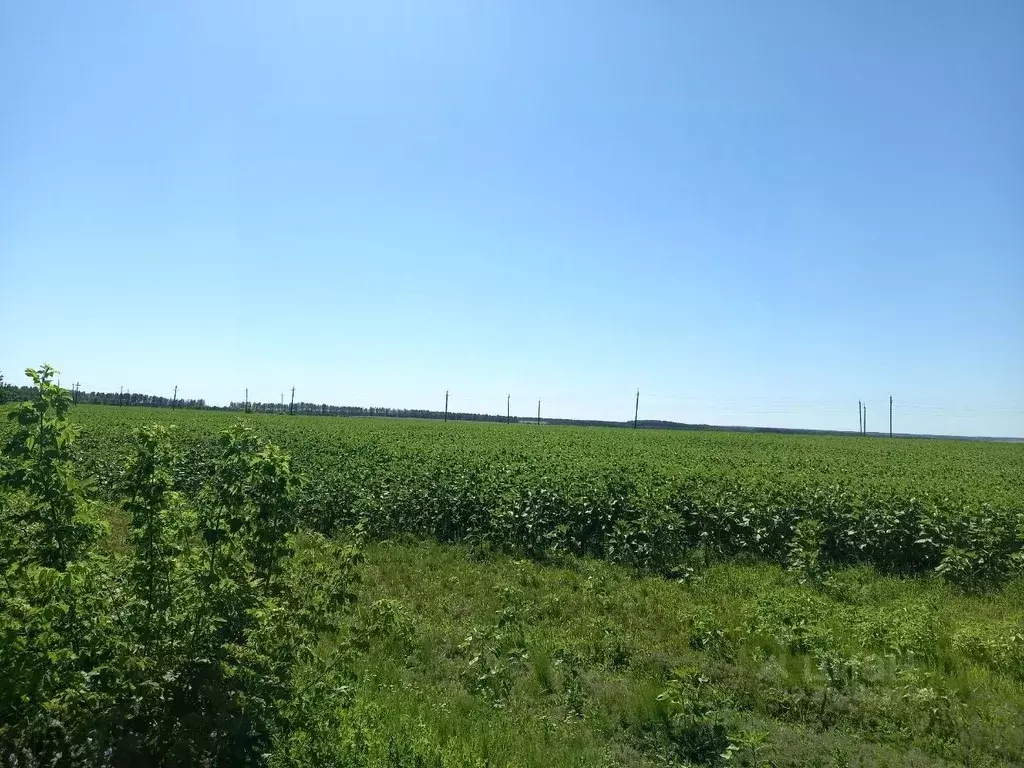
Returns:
<point x="588" y="494"/>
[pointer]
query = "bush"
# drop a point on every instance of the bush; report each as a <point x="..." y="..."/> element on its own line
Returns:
<point x="201" y="644"/>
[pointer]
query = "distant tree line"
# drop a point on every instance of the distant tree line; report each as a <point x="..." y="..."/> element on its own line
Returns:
<point x="10" y="393"/>
<point x="323" y="409"/>
<point x="136" y="398"/>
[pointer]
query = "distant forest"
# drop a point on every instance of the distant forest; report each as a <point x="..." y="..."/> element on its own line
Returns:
<point x="323" y="409"/>
<point x="15" y="394"/>
<point x="10" y="393"/>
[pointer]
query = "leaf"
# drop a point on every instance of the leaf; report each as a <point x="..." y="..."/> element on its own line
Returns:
<point x="213" y="535"/>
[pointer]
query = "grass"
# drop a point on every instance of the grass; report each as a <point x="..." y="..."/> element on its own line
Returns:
<point x="513" y="663"/>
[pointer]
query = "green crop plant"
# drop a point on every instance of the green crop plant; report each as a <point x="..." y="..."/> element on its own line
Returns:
<point x="664" y="504"/>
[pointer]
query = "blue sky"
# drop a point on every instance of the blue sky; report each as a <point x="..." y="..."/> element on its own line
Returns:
<point x="757" y="213"/>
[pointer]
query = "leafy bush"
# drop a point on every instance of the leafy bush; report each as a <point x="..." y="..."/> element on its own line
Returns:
<point x="699" y="717"/>
<point x="201" y="644"/>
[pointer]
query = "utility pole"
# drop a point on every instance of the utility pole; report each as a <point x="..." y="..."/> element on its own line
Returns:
<point x="74" y="397"/>
<point x="291" y="406"/>
<point x="890" y="415"/>
<point x="538" y="413"/>
<point x="446" y="405"/>
<point x="865" y="418"/>
<point x="860" y="418"/>
<point x="508" y="409"/>
<point x="175" y="398"/>
<point x="246" y="399"/>
<point x="120" y="397"/>
<point x="636" y="412"/>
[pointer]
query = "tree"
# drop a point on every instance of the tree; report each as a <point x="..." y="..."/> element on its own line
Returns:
<point x="198" y="645"/>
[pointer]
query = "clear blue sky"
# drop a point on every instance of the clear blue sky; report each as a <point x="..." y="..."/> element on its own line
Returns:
<point x="757" y="213"/>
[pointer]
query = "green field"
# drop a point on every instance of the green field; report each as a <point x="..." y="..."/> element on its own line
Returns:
<point x="661" y="500"/>
<point x="589" y="596"/>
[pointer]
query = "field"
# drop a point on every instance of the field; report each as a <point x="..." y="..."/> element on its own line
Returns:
<point x="664" y="501"/>
<point x="586" y="596"/>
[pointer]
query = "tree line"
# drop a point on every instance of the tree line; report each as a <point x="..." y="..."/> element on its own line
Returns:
<point x="10" y="393"/>
<point x="13" y="394"/>
<point x="323" y="409"/>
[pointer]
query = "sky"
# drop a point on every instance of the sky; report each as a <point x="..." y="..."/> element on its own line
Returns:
<point x="754" y="213"/>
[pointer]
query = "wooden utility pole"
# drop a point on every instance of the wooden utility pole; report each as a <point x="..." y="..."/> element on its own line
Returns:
<point x="890" y="415"/>
<point x="636" y="412"/>
<point x="291" y="406"/>
<point x="175" y="398"/>
<point x="446" y="405"/>
<point x="538" y="413"/>
<point x="508" y="409"/>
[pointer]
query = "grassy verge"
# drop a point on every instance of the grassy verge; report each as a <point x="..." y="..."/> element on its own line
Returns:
<point x="498" y="661"/>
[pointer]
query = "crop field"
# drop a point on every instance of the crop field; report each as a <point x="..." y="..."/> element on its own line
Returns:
<point x="550" y="596"/>
<point x="646" y="498"/>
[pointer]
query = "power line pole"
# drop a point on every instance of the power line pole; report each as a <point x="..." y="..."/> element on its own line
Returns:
<point x="538" y="413"/>
<point x="860" y="418"/>
<point x="890" y="415"/>
<point x="291" y="406"/>
<point x="508" y="409"/>
<point x="865" y="418"/>
<point x="175" y="398"/>
<point x="636" y="412"/>
<point x="120" y="397"/>
<point x="446" y="405"/>
<point x="246" y="399"/>
<point x="74" y="397"/>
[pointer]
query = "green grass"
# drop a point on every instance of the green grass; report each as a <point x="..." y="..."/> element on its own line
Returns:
<point x="531" y="665"/>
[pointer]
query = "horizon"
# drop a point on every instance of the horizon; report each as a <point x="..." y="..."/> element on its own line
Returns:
<point x="526" y="418"/>
<point x="757" y="216"/>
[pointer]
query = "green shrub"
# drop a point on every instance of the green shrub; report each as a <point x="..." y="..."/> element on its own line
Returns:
<point x="201" y="644"/>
